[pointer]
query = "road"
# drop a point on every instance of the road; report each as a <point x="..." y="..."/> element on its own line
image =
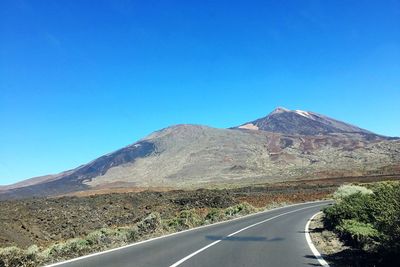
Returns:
<point x="272" y="238"/>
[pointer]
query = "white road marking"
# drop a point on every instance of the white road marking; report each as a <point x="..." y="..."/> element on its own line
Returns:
<point x="234" y="233"/>
<point x="311" y="245"/>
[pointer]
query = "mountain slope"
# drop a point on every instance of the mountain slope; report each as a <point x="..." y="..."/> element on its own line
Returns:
<point x="194" y="155"/>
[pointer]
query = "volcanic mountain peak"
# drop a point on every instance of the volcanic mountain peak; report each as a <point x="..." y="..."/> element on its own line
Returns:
<point x="285" y="121"/>
<point x="279" y="110"/>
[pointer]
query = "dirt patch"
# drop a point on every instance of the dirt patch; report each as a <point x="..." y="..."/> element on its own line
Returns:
<point x="327" y="242"/>
<point x="262" y="196"/>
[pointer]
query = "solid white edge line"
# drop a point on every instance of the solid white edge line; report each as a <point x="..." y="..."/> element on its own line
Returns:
<point x="310" y="243"/>
<point x="238" y="231"/>
<point x="177" y="233"/>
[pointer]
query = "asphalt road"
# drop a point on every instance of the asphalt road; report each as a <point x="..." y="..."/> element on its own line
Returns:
<point x="273" y="238"/>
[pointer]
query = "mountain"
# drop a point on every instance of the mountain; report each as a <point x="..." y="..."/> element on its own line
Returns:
<point x="285" y="145"/>
<point x="286" y="121"/>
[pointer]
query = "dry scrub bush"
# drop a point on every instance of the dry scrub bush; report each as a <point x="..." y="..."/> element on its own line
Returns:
<point x="184" y="220"/>
<point x="13" y="256"/>
<point x="347" y="190"/>
<point x="240" y="210"/>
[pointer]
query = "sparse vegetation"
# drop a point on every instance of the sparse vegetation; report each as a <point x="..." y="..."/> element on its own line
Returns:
<point x="14" y="256"/>
<point x="98" y="240"/>
<point x="107" y="238"/>
<point x="113" y="220"/>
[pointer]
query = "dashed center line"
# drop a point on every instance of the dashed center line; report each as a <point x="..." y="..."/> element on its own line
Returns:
<point x="234" y="233"/>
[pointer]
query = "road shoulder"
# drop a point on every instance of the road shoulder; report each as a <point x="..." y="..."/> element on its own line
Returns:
<point x="310" y="241"/>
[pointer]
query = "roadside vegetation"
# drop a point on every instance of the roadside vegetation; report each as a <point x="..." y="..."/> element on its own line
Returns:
<point x="106" y="238"/>
<point x="367" y="218"/>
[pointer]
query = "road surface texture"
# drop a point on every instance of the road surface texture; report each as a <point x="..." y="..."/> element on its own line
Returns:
<point x="272" y="238"/>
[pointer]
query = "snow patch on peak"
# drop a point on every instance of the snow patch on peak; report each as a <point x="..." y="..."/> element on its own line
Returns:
<point x="304" y="114"/>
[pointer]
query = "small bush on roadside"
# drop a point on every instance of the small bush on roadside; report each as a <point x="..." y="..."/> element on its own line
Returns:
<point x="150" y="224"/>
<point x="96" y="237"/>
<point x="346" y="190"/>
<point x="214" y="215"/>
<point x="240" y="210"/>
<point x="132" y="235"/>
<point x="355" y="206"/>
<point x="184" y="220"/>
<point x="60" y="251"/>
<point x="111" y="237"/>
<point x="362" y="235"/>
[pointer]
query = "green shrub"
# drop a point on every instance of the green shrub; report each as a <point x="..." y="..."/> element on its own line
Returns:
<point x="361" y="235"/>
<point x="355" y="206"/>
<point x="386" y="214"/>
<point x="369" y="220"/>
<point x="131" y="235"/>
<point x="214" y="215"/>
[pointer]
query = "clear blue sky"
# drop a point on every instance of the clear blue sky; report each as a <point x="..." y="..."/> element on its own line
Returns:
<point x="79" y="79"/>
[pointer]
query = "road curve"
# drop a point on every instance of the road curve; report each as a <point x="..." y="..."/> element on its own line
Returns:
<point x="272" y="238"/>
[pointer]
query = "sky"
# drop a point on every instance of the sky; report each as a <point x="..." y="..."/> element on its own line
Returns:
<point x="79" y="79"/>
